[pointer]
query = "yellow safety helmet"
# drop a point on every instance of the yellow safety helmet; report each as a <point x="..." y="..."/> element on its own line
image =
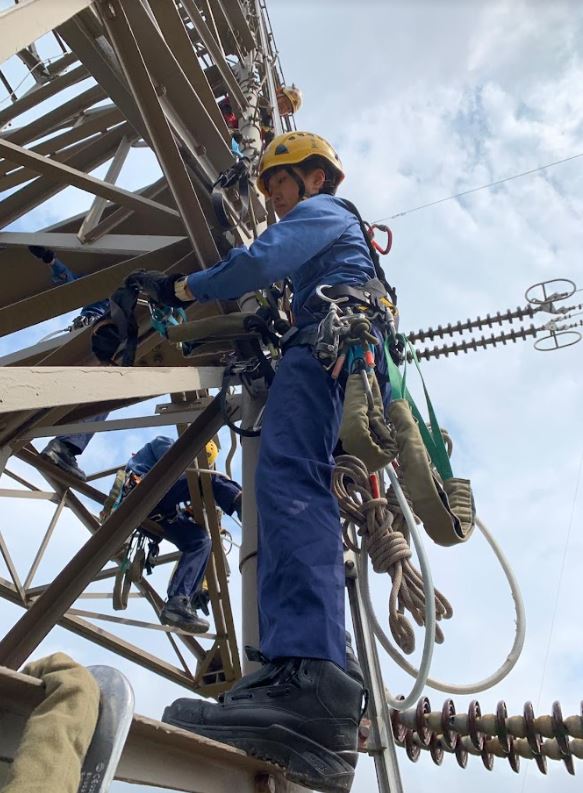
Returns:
<point x="212" y="452"/>
<point x="289" y="99"/>
<point x="292" y="148"/>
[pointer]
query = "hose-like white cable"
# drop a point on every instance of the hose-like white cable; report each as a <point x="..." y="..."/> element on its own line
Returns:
<point x="423" y="672"/>
<point x="453" y="688"/>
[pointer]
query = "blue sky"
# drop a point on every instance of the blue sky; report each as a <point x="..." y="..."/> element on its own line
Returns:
<point x="424" y="100"/>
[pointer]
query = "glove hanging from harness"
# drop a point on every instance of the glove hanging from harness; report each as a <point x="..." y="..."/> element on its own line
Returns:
<point x="117" y="327"/>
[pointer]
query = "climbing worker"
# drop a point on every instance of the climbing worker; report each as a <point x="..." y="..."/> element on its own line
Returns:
<point x="301" y="710"/>
<point x="289" y="99"/>
<point x="175" y="518"/>
<point x="61" y="274"/>
<point x="64" y="450"/>
<point x="232" y="123"/>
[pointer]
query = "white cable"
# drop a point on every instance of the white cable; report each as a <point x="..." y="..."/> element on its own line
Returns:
<point x="423" y="672"/>
<point x="512" y="657"/>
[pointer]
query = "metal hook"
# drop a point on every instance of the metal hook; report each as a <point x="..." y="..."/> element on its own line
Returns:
<point x="327" y="299"/>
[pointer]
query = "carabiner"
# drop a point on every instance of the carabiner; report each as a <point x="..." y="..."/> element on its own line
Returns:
<point x="380" y="227"/>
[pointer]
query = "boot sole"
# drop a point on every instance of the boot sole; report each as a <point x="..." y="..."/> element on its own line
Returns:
<point x="183" y="625"/>
<point x="302" y="761"/>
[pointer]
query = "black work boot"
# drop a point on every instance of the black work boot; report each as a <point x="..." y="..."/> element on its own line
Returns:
<point x="300" y="713"/>
<point x="61" y="454"/>
<point x="353" y="667"/>
<point x="178" y="612"/>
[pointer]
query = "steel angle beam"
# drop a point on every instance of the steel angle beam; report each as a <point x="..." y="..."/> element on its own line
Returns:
<point x="213" y="48"/>
<point x="97" y="208"/>
<point x="30" y="356"/>
<point x="160" y="133"/>
<point x="40" y="93"/>
<point x="63" y="173"/>
<point x="56" y="118"/>
<point x="111" y="424"/>
<point x="154" y="754"/>
<point x="32" y="388"/>
<point x="125" y="220"/>
<point x="118" y="244"/>
<point x="58" y="300"/>
<point x="83" y="35"/>
<point x="60" y="595"/>
<point x="31" y="19"/>
<point x="182" y="107"/>
<point x="189" y="109"/>
<point x="173" y="29"/>
<point x="239" y="20"/>
<point x="231" y="42"/>
<point x="100" y="121"/>
<point x="44" y="187"/>
<point x="20" y="174"/>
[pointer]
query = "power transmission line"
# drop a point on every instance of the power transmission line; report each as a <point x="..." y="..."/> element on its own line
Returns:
<point x="475" y="189"/>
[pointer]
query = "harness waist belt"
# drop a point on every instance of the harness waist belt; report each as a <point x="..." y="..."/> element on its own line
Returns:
<point x="371" y="291"/>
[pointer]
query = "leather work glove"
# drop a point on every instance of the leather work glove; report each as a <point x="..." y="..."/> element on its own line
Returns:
<point x="158" y="286"/>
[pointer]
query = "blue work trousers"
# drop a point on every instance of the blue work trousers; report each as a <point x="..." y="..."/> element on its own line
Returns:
<point x="195" y="544"/>
<point x="80" y="439"/>
<point x="300" y="568"/>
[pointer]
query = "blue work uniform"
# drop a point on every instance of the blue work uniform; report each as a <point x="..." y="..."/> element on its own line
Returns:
<point x="179" y="528"/>
<point x="62" y="275"/>
<point x="79" y="440"/>
<point x="300" y="554"/>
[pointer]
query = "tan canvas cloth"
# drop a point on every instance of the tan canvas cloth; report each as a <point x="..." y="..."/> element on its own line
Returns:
<point x="363" y="431"/>
<point x="59" y="731"/>
<point x="447" y="512"/>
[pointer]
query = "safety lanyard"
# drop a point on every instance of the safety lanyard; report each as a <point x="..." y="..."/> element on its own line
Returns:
<point x="431" y="435"/>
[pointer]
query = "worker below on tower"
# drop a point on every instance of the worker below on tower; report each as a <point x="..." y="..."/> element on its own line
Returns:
<point x="61" y="274"/>
<point x="289" y="99"/>
<point x="174" y="515"/>
<point x="64" y="449"/>
<point x="301" y="710"/>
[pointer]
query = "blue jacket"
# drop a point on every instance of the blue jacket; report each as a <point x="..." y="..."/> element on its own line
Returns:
<point x="318" y="242"/>
<point x="226" y="492"/>
<point x="63" y="275"/>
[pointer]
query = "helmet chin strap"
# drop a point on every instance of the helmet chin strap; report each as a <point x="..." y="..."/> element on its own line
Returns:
<point x="299" y="181"/>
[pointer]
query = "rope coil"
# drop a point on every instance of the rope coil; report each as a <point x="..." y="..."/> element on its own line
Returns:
<point x="388" y="549"/>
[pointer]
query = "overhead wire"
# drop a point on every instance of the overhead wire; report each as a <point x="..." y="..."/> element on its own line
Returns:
<point x="476" y="189"/>
<point x="557" y="596"/>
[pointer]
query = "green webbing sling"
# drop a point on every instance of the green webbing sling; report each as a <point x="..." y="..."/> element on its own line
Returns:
<point x="431" y="435"/>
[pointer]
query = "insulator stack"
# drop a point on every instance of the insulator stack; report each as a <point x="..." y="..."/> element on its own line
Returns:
<point x="472" y="345"/>
<point x="471" y="324"/>
<point x="490" y="735"/>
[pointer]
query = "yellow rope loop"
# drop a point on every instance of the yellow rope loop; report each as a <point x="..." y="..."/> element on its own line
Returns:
<point x="388" y="548"/>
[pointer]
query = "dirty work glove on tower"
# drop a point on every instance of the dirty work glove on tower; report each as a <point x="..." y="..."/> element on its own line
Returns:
<point x="156" y="285"/>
